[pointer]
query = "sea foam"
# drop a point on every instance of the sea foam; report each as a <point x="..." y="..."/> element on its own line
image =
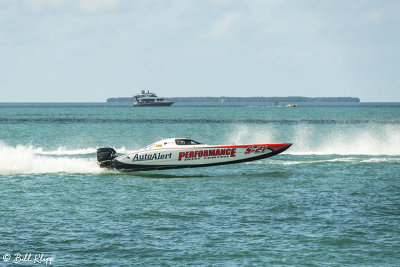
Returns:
<point x="26" y="159"/>
<point x="370" y="139"/>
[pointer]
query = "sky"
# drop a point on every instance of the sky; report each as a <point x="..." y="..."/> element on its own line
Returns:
<point x="90" y="50"/>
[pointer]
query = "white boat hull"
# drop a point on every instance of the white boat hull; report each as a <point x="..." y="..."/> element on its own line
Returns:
<point x="153" y="104"/>
<point x="193" y="156"/>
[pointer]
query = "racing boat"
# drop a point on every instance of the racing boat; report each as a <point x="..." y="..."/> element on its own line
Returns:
<point x="176" y="153"/>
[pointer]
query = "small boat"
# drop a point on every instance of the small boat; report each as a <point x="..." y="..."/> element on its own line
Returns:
<point x="149" y="99"/>
<point x="174" y="153"/>
<point x="291" y="105"/>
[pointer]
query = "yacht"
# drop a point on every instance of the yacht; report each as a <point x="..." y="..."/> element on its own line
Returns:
<point x="149" y="99"/>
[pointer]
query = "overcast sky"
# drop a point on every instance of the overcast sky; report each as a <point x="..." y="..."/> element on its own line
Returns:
<point x="89" y="50"/>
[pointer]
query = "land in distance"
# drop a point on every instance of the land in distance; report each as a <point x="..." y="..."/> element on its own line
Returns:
<point x="230" y="99"/>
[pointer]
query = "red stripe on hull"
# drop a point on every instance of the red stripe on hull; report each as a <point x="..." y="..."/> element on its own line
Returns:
<point x="270" y="146"/>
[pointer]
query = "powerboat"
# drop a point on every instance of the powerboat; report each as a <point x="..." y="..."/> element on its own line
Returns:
<point x="149" y="99"/>
<point x="174" y="153"/>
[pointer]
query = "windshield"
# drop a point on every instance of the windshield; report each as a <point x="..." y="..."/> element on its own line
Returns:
<point x="186" y="142"/>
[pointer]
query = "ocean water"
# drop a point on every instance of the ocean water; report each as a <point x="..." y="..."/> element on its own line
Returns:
<point x="332" y="199"/>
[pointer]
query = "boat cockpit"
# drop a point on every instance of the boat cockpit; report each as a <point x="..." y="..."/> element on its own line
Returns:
<point x="186" y="142"/>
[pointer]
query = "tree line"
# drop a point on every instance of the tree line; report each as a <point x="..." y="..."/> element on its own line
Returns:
<point x="231" y="99"/>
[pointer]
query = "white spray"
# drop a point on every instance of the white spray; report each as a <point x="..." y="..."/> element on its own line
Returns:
<point x="309" y="139"/>
<point x="25" y="159"/>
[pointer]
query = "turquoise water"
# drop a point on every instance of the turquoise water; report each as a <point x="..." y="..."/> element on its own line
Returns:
<point x="333" y="198"/>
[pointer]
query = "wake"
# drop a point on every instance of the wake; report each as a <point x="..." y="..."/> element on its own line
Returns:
<point x="374" y="143"/>
<point x="26" y="159"/>
<point x="369" y="140"/>
<point x="356" y="160"/>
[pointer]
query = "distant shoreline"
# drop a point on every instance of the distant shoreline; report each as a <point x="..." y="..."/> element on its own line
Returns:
<point x="230" y="99"/>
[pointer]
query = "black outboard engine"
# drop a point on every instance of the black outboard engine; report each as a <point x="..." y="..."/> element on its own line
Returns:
<point x="105" y="155"/>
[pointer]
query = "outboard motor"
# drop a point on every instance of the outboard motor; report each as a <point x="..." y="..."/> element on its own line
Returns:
<point x="105" y="155"/>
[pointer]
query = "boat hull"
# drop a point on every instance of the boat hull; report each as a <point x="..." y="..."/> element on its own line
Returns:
<point x="193" y="157"/>
<point x="160" y="104"/>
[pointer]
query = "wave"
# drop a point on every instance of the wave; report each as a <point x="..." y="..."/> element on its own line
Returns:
<point x="371" y="139"/>
<point x="322" y="161"/>
<point x="62" y="150"/>
<point x="23" y="159"/>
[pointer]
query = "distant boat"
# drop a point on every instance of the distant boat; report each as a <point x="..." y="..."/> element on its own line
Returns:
<point x="291" y="105"/>
<point x="149" y="99"/>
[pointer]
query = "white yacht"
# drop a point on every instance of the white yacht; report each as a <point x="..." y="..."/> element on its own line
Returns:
<point x="149" y="99"/>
